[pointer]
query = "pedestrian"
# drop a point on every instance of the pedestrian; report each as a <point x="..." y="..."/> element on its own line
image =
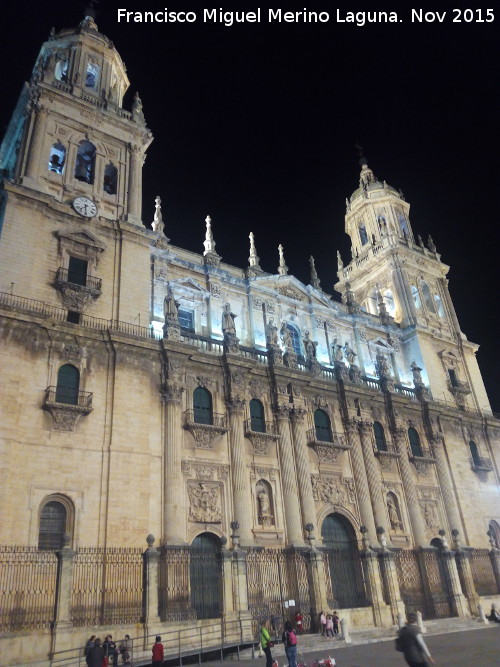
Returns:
<point x="494" y="615"/>
<point x="289" y="639"/>
<point x="110" y="650"/>
<point x="157" y="652"/>
<point x="125" y="649"/>
<point x="322" y="620"/>
<point x="329" y="626"/>
<point x="266" y="643"/>
<point x="299" y="621"/>
<point x="95" y="657"/>
<point x="88" y="646"/>
<point x="411" y="643"/>
<point x="335" y="619"/>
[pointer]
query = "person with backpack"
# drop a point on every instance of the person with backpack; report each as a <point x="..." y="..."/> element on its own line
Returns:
<point x="289" y="639"/>
<point x="411" y="643"/>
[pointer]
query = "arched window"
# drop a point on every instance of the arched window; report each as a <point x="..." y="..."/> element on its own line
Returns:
<point x="85" y="161"/>
<point x="380" y="441"/>
<point x="68" y="383"/>
<point x="61" y="72"/>
<point x="439" y="305"/>
<point x="382" y="225"/>
<point x="476" y="459"/>
<point x="363" y="236"/>
<point x="53" y="519"/>
<point x="415" y="446"/>
<point x="57" y="158"/>
<point x="494" y="533"/>
<point x="416" y="297"/>
<point x="264" y="495"/>
<point x="202" y="406"/>
<point x="429" y="303"/>
<point x="92" y="76"/>
<point x="294" y="332"/>
<point x="257" y="420"/>
<point x="110" y="179"/>
<point x="403" y="225"/>
<point x="322" y="426"/>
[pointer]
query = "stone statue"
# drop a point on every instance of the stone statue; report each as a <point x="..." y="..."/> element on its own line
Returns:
<point x="382" y="366"/>
<point x="430" y="517"/>
<point x="309" y="347"/>
<point x="170" y="306"/>
<point x="349" y="354"/>
<point x="337" y="351"/>
<point x="417" y="376"/>
<point x="265" y="515"/>
<point x="228" y="326"/>
<point x="272" y="333"/>
<point x="286" y="336"/>
<point x="393" y="514"/>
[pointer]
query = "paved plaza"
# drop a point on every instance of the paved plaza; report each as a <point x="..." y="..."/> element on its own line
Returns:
<point x="473" y="648"/>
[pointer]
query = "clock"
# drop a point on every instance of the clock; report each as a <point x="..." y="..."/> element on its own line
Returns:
<point x="85" y="206"/>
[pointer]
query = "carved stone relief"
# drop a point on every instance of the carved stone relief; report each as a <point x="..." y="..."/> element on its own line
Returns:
<point x="204" y="502"/>
<point x="72" y="353"/>
<point x="256" y="388"/>
<point x="335" y="490"/>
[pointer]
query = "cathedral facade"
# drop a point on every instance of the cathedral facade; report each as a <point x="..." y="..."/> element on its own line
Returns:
<point x="242" y="420"/>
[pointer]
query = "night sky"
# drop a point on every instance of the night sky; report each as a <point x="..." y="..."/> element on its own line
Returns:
<point x="256" y="125"/>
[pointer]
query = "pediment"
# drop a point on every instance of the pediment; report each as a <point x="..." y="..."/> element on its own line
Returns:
<point x="83" y="237"/>
<point x="291" y="288"/>
<point x="381" y="345"/>
<point x="188" y="284"/>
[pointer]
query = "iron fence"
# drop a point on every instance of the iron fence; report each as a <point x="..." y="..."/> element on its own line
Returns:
<point x="28" y="580"/>
<point x="174" y="584"/>
<point x="107" y="586"/>
<point x="482" y="572"/>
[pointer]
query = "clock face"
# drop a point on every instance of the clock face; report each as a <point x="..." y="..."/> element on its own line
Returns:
<point x="85" y="206"/>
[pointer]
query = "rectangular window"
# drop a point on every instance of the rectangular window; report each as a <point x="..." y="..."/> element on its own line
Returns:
<point x="453" y="377"/>
<point x="186" y="320"/>
<point x="77" y="271"/>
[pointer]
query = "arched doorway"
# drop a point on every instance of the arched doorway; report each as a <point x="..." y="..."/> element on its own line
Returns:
<point x="345" y="565"/>
<point x="205" y="576"/>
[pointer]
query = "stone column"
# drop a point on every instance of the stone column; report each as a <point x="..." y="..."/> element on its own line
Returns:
<point x="416" y="518"/>
<point x="360" y="478"/>
<point x="391" y="584"/>
<point x="295" y="534"/>
<point x="135" y="184"/>
<point x="239" y="472"/>
<point x="316" y="577"/>
<point x="65" y="559"/>
<point x="462" y="557"/>
<point x="174" y="515"/>
<point x="303" y="468"/>
<point x="372" y="475"/>
<point x="374" y="586"/>
<point x="443" y="472"/>
<point x="459" y="604"/>
<point x="34" y="148"/>
<point x="151" y="559"/>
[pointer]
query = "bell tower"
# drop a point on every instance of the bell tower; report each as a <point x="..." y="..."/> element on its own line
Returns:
<point x="71" y="183"/>
<point x="393" y="275"/>
<point x="70" y="136"/>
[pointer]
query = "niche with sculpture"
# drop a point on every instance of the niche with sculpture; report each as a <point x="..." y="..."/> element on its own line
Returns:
<point x="394" y="512"/>
<point x="264" y="497"/>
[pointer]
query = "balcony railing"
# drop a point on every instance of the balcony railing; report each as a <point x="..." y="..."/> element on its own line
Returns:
<point x="214" y="419"/>
<point x="261" y="427"/>
<point x="424" y="454"/>
<point x="68" y="277"/>
<point x="337" y="441"/>
<point x="81" y="399"/>
<point x="481" y="464"/>
<point x="459" y="387"/>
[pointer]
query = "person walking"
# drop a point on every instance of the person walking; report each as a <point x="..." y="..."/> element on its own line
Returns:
<point x="95" y="657"/>
<point x="412" y="644"/>
<point x="157" y="652"/>
<point x="289" y="639"/>
<point x="266" y="643"/>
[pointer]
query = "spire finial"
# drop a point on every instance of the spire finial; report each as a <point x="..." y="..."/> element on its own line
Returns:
<point x="314" y="276"/>
<point x="90" y="14"/>
<point x="158" y="224"/>
<point x="282" y="268"/>
<point x="209" y="242"/>
<point x="137" y="112"/>
<point x="366" y="176"/>
<point x="253" y="260"/>
<point x="340" y="263"/>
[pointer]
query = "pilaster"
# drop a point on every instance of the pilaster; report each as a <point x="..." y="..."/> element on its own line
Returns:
<point x="450" y="501"/>
<point x="360" y="477"/>
<point x="458" y="601"/>
<point x="416" y="519"/>
<point x="174" y="516"/>
<point x="240" y="476"/>
<point x="391" y="584"/>
<point x="374" y="483"/>
<point x="495" y="564"/>
<point x="462" y="557"/>
<point x="303" y="469"/>
<point x="151" y="559"/>
<point x="316" y="576"/>
<point x="373" y="582"/>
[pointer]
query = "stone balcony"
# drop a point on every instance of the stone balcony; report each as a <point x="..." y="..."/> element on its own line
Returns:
<point x="67" y="409"/>
<point x="327" y="450"/>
